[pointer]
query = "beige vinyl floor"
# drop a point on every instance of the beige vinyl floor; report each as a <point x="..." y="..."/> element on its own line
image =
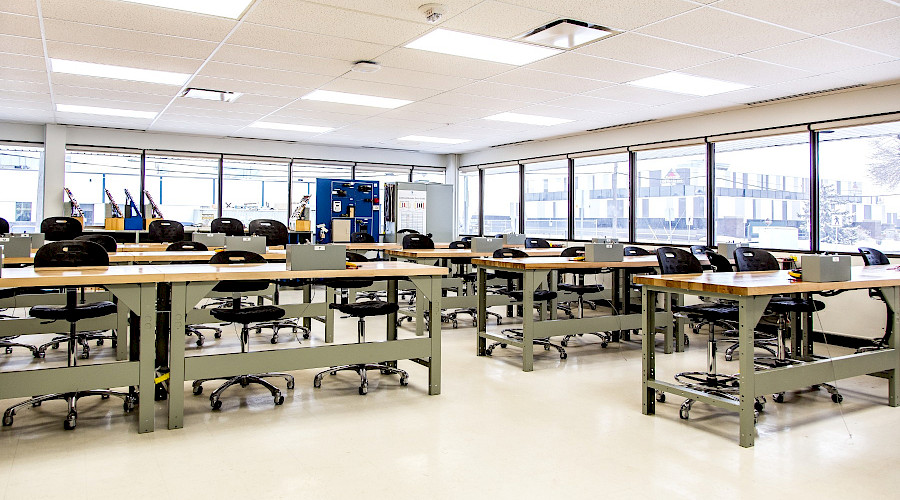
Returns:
<point x="571" y="429"/>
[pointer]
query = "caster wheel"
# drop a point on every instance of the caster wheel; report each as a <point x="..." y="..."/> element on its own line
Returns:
<point x="385" y="372"/>
<point x="604" y="345"/>
<point x="290" y="384"/>
<point x="404" y="381"/>
<point x="684" y="413"/>
<point x="100" y="342"/>
<point x="696" y="331"/>
<point x="455" y="324"/>
<point x="563" y="356"/>
<point x="333" y="373"/>
<point x="546" y="348"/>
<point x="71" y="421"/>
<point x="36" y="405"/>
<point x="488" y="352"/>
<point x="306" y="336"/>
<point x="758" y="406"/>
<point x="499" y="321"/>
<point x="85" y="355"/>
<point x="244" y="383"/>
<point x="9" y="350"/>
<point x="274" y="340"/>
<point x="199" y="342"/>
<point x="363" y="389"/>
<point x="837" y="398"/>
<point x="728" y="357"/>
<point x="198" y="390"/>
<point x="217" y="335"/>
<point x="755" y="417"/>
<point x="502" y="346"/>
<point x="687" y="341"/>
<point x="660" y="397"/>
<point x="593" y="306"/>
<point x="7" y="420"/>
<point x="104" y="396"/>
<point x="40" y="354"/>
<point x="778" y="398"/>
<point x="317" y="382"/>
<point x="216" y="405"/>
<point x="564" y="343"/>
<point x="128" y="405"/>
<point x="55" y="345"/>
<point x="279" y="400"/>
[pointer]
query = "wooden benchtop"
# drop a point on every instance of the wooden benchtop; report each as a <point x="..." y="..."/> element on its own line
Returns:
<point x="77" y="276"/>
<point x="446" y="253"/>
<point x="566" y="262"/>
<point x="771" y="282"/>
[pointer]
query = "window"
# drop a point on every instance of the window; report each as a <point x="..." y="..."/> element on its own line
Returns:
<point x="19" y="170"/>
<point x="762" y="191"/>
<point x="303" y="183"/>
<point x="255" y="189"/>
<point x="90" y="174"/>
<point x="184" y="187"/>
<point x="547" y="199"/>
<point x="501" y="200"/>
<point x="671" y="196"/>
<point x="467" y="202"/>
<point x="429" y="174"/>
<point x="859" y="199"/>
<point x="601" y="197"/>
<point x="383" y="174"/>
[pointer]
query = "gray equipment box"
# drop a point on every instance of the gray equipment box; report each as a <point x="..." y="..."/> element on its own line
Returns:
<point x="209" y="239"/>
<point x="515" y="239"/>
<point x="316" y="257"/>
<point x="16" y="246"/>
<point x="825" y="268"/>
<point x="37" y="239"/>
<point x="604" y="240"/>
<point x="727" y="249"/>
<point x="486" y="245"/>
<point x="604" y="252"/>
<point x="255" y="244"/>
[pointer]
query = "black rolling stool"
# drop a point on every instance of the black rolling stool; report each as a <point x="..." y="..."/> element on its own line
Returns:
<point x="165" y="231"/>
<point x="536" y="243"/>
<point x="71" y="254"/>
<point x="468" y="279"/>
<point x="227" y="225"/>
<point x="539" y="298"/>
<point x="874" y="257"/>
<point x="362" y="310"/>
<point x="581" y="289"/>
<point x="187" y="246"/>
<point x="61" y="228"/>
<point x="243" y="316"/>
<point x="196" y="330"/>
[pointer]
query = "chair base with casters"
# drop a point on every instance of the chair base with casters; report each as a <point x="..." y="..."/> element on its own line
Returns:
<point x="468" y="279"/>
<point x="293" y="324"/>
<point x="581" y="290"/>
<point x="7" y="344"/>
<point x="197" y="331"/>
<point x="243" y="316"/>
<point x="81" y="339"/>
<point x="517" y="334"/>
<point x="362" y="310"/>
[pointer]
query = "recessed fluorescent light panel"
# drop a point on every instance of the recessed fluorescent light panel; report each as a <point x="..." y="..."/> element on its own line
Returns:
<point x="211" y="95"/>
<point x="567" y="34"/>
<point x="292" y="127"/>
<point x="436" y="140"/>
<point x="481" y="47"/>
<point x="357" y="99"/>
<point x="222" y="8"/>
<point x="118" y="72"/>
<point x="527" y="119"/>
<point x="681" y="83"/>
<point x="91" y="110"/>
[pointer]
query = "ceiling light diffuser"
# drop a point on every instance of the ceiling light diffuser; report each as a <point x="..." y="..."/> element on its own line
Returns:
<point x="211" y="95"/>
<point x="292" y="127"/>
<point x="481" y="47"/>
<point x="91" y="110"/>
<point x="357" y="99"/>
<point x="681" y="83"/>
<point x="222" y="8"/>
<point x="436" y="140"/>
<point x="118" y="72"/>
<point x="545" y="121"/>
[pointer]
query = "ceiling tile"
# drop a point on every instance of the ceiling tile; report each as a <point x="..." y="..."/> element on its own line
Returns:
<point x="883" y="37"/>
<point x="202" y="107"/>
<point x="26" y="7"/>
<point x="132" y="16"/>
<point x="327" y="20"/>
<point x="265" y="100"/>
<point x="23" y="115"/>
<point x="117" y="57"/>
<point x="617" y="15"/>
<point x="23" y="75"/>
<point x="594" y="67"/>
<point x="503" y="91"/>
<point x="814" y="16"/>
<point x="486" y="105"/>
<point x="747" y="71"/>
<point x="451" y="111"/>
<point x="400" y="9"/>
<point x="90" y="82"/>
<point x="115" y="38"/>
<point x="19" y="25"/>
<point x="209" y="82"/>
<point x="262" y="58"/>
<point x="430" y="62"/>
<point x="267" y="37"/>
<point x="649" y="51"/>
<point x="483" y="20"/>
<point x="29" y="87"/>
<point x="311" y="117"/>
<point x="405" y="114"/>
<point x="102" y="121"/>
<point x="637" y="95"/>
<point x="877" y="73"/>
<point x="722" y="31"/>
<point x="334" y="107"/>
<point x="39" y="102"/>
<point x="818" y="55"/>
<point x="262" y="75"/>
<point x="379" y="89"/>
<point x="109" y="103"/>
<point x="194" y="128"/>
<point x="21" y="45"/>
<point x="594" y="104"/>
<point x="559" y="112"/>
<point x="15" y="61"/>
<point x="800" y="86"/>
<point x="410" y="78"/>
<point x="113" y="95"/>
<point x="545" y="80"/>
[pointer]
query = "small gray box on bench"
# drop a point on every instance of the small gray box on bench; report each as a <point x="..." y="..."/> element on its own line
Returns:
<point x="209" y="239"/>
<point x="825" y="268"/>
<point x="16" y="246"/>
<point x="316" y="257"/>
<point x="256" y="244"/>
<point x="515" y="239"/>
<point x="727" y="249"/>
<point x="487" y="245"/>
<point x="604" y="252"/>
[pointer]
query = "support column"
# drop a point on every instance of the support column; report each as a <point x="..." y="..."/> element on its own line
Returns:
<point x="52" y="177"/>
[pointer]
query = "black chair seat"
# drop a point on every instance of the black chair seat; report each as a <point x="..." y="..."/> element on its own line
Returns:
<point x="348" y="283"/>
<point x="539" y="295"/>
<point x="78" y="313"/>
<point x="580" y="289"/>
<point x="7" y="293"/>
<point x="367" y="308"/>
<point x="712" y="312"/>
<point x="795" y="305"/>
<point x="473" y="276"/>
<point x="256" y="314"/>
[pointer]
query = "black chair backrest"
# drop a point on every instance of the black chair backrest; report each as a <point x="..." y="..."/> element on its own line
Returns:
<point x="509" y="253"/>
<point x="754" y="259"/>
<point x="572" y="252"/>
<point x="361" y="237"/>
<point x="61" y="228"/>
<point x="410" y="231"/>
<point x="228" y="225"/>
<point x="701" y="249"/>
<point x="536" y="243"/>
<point x="71" y="253"/>
<point x="187" y="246"/>
<point x="873" y="257"/>
<point x="104" y="240"/>
<point x="466" y="238"/>
<point x="356" y="257"/>
<point x="165" y="231"/>
<point x="460" y="244"/>
<point x="4" y="226"/>
<point x="417" y="241"/>
<point x="719" y="263"/>
<point x="276" y="233"/>
<point x="239" y="257"/>
<point x="631" y="251"/>
<point x="677" y="261"/>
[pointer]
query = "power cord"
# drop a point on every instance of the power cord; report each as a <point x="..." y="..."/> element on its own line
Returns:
<point x="831" y="362"/>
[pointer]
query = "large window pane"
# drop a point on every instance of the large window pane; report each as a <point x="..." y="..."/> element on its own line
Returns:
<point x="547" y="199"/>
<point x="90" y="173"/>
<point x="19" y="170"/>
<point x="436" y="175"/>
<point x="762" y="191"/>
<point x="601" y="197"/>
<point x="501" y="200"/>
<point x="671" y="196"/>
<point x="467" y="203"/>
<point x="255" y="190"/>
<point x="859" y="199"/>
<point x="304" y="183"/>
<point x="383" y="174"/>
<point x="184" y="187"/>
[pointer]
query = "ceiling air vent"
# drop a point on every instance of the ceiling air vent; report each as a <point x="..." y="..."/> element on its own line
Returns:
<point x="567" y="34"/>
<point x="511" y="143"/>
<point x="806" y="94"/>
<point x="621" y="125"/>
